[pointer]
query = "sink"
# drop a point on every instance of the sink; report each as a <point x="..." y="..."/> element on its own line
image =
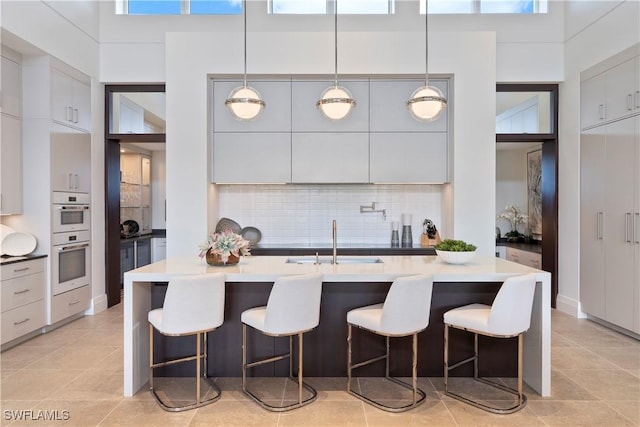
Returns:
<point x="341" y="260"/>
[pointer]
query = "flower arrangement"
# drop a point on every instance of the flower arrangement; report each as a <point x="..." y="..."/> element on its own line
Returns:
<point x="225" y="244"/>
<point x="514" y="217"/>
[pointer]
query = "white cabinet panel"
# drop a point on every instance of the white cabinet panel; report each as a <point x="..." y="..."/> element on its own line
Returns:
<point x="307" y="118"/>
<point x="69" y="303"/>
<point x="388" y="106"/>
<point x="528" y="258"/>
<point x="330" y="157"/>
<point x="11" y="94"/>
<point x="620" y="87"/>
<point x="71" y="100"/>
<point x="408" y="157"/>
<point x="11" y="163"/>
<point x="276" y="116"/>
<point x="21" y="321"/>
<point x="251" y="157"/>
<point x="593" y="101"/>
<point x="70" y="160"/>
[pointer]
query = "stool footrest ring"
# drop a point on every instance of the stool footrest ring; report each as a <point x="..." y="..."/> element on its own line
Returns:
<point x="388" y="408"/>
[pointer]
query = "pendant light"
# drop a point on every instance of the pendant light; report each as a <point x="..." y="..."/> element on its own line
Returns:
<point x="245" y="102"/>
<point x="427" y="102"/>
<point x="336" y="102"/>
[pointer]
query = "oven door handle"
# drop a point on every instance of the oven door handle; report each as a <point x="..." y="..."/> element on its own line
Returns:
<point x="73" y="208"/>
<point x="73" y="247"/>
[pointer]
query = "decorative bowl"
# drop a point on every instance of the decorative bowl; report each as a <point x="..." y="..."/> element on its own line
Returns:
<point x="451" y="257"/>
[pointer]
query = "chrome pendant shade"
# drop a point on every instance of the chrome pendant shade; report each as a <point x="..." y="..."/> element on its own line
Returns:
<point x="336" y="102"/>
<point x="427" y="102"/>
<point x="244" y="102"/>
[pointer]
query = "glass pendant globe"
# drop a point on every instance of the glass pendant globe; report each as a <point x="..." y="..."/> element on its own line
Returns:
<point x="336" y="103"/>
<point x="245" y="103"/>
<point x="426" y="103"/>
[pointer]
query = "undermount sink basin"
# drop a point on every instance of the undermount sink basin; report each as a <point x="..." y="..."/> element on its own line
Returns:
<point x="328" y="260"/>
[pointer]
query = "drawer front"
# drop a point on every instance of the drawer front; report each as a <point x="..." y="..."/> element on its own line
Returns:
<point x="22" y="291"/>
<point x="18" y="269"/>
<point x="22" y="320"/>
<point x="70" y="303"/>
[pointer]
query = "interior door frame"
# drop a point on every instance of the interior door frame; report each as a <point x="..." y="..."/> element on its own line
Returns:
<point x="549" y="175"/>
<point x="112" y="184"/>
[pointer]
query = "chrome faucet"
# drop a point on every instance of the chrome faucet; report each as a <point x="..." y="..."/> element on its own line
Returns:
<point x="334" y="233"/>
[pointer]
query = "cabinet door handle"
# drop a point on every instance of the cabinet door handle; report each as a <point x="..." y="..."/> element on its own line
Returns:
<point x="637" y="99"/>
<point x="77" y="181"/>
<point x="627" y="227"/>
<point x="75" y="115"/>
<point x="69" y="116"/>
<point x="21" y="322"/>
<point x="636" y="225"/>
<point x="24" y="291"/>
<point x="630" y="102"/>
<point x="17" y="270"/>
<point x="71" y="181"/>
<point x="599" y="226"/>
<point x="74" y="302"/>
<point x="602" y="111"/>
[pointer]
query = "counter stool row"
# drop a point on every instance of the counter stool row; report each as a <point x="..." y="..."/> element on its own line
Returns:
<point x="194" y="305"/>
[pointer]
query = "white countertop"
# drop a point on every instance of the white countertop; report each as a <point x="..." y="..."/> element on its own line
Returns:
<point x="268" y="268"/>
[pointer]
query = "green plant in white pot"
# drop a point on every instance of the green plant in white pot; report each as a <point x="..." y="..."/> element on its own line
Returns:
<point x="455" y="251"/>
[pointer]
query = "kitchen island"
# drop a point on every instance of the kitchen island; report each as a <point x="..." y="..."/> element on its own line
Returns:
<point x="346" y="285"/>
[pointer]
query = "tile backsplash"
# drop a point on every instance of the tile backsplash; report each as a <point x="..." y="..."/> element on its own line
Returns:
<point x="302" y="214"/>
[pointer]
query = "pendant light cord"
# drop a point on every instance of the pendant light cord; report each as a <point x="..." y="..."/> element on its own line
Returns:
<point x="244" y="14"/>
<point x="426" y="43"/>
<point x="335" y="41"/>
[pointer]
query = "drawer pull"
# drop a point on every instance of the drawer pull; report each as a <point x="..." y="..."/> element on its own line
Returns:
<point x="21" y="322"/>
<point x="74" y="302"/>
<point x="18" y="270"/>
<point x="24" y="291"/>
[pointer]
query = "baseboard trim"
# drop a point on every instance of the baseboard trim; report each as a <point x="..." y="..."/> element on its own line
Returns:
<point x="98" y="304"/>
<point x="569" y="306"/>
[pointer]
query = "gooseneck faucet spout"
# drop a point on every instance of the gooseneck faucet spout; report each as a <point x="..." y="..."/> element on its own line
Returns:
<point x="334" y="233"/>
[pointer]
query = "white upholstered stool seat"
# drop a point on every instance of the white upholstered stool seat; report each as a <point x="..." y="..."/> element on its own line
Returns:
<point x="293" y="308"/>
<point x="405" y="312"/>
<point x="193" y="305"/>
<point x="509" y="316"/>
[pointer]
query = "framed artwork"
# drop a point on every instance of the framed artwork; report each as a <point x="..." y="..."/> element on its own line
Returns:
<point x="534" y="192"/>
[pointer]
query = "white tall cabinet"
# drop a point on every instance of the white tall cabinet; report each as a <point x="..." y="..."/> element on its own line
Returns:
<point x="610" y="209"/>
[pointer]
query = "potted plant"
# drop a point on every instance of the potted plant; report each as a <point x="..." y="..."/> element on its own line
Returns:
<point x="512" y="214"/>
<point x="455" y="251"/>
<point x="224" y="248"/>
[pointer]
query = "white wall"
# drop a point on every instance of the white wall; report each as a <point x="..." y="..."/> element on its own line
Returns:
<point x="68" y="31"/>
<point x="595" y="31"/>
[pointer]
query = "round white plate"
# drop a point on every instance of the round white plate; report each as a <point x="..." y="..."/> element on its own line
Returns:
<point x="18" y="244"/>
<point x="5" y="230"/>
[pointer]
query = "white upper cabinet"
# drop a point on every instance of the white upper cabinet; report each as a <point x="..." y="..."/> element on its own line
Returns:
<point x="330" y="157"/>
<point x="388" y="106"/>
<point x="611" y="91"/>
<point x="306" y="117"/>
<point x="70" y="160"/>
<point x="10" y="102"/>
<point x="11" y="164"/>
<point x="275" y="117"/>
<point x="71" y="100"/>
<point x="408" y="157"/>
<point x="251" y="158"/>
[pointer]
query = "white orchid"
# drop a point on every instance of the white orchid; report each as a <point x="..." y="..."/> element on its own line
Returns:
<point x="512" y="214"/>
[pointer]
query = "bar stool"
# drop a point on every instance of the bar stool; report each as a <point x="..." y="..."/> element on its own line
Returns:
<point x="293" y="308"/>
<point x="509" y="316"/>
<point x="193" y="305"/>
<point x="405" y="312"/>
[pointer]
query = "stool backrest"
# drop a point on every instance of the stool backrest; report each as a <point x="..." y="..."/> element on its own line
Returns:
<point x="294" y="304"/>
<point x="193" y="303"/>
<point x="408" y="305"/>
<point x="511" y="309"/>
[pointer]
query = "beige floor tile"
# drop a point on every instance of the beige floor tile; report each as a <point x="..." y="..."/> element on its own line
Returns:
<point x="92" y="385"/>
<point x="330" y="388"/>
<point x="558" y="340"/>
<point x="60" y="337"/>
<point x="430" y="413"/>
<point x="267" y="388"/>
<point x="573" y="413"/>
<point x="113" y="362"/>
<point x="230" y="413"/>
<point x="106" y="337"/>
<point x="622" y="357"/>
<point x="11" y="410"/>
<point x="467" y="415"/>
<point x="138" y="413"/>
<point x="32" y="384"/>
<point x="607" y="384"/>
<point x="325" y="413"/>
<point x="182" y="391"/>
<point x="578" y="358"/>
<point x="22" y="356"/>
<point x="627" y="408"/>
<point x="74" y="357"/>
<point x="562" y="388"/>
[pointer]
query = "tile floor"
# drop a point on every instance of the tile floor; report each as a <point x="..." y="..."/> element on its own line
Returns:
<point x="75" y="374"/>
